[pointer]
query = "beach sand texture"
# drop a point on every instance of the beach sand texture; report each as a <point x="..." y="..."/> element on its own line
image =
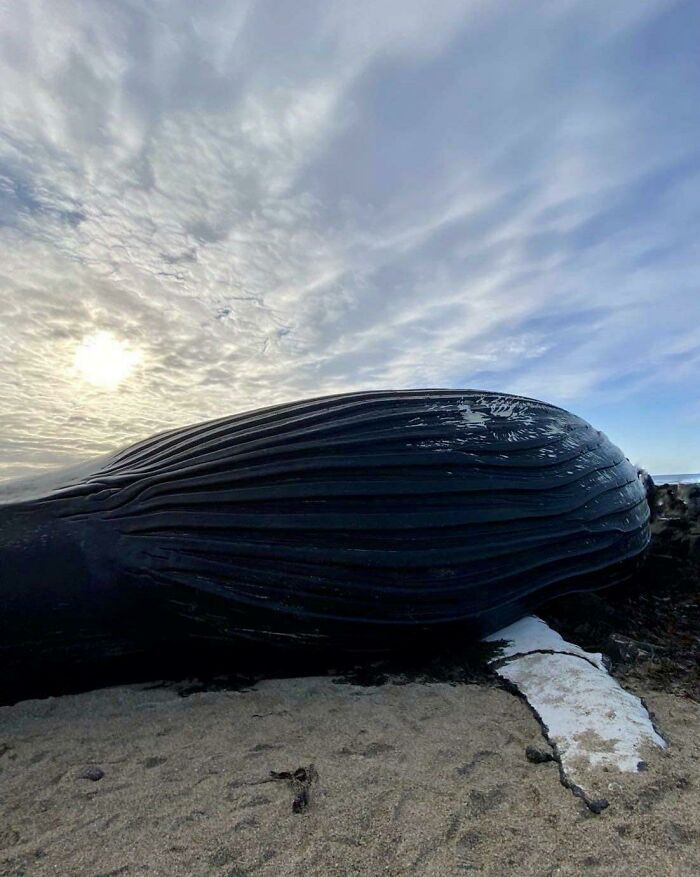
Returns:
<point x="412" y="779"/>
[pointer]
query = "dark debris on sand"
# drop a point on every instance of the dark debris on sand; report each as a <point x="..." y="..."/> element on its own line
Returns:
<point x="651" y="627"/>
<point x="449" y="663"/>
<point x="300" y="782"/>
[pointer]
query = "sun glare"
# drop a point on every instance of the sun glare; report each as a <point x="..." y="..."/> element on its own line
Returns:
<point x="104" y="360"/>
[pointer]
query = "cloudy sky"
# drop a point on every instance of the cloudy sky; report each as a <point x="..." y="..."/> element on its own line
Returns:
<point x="209" y="207"/>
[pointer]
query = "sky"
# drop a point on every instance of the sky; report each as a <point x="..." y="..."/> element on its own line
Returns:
<point x="212" y="207"/>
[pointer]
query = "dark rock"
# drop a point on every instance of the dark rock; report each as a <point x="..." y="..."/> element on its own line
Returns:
<point x="623" y="648"/>
<point x="598" y="805"/>
<point x="669" y="502"/>
<point x="538" y="756"/>
<point x="692" y="499"/>
<point x="92" y="773"/>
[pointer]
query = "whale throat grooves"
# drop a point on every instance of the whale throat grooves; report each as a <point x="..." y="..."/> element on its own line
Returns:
<point x="347" y="522"/>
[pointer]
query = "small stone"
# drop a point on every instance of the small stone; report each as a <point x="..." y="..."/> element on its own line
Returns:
<point x="92" y="773"/>
<point x="538" y="756"/>
<point x="598" y="805"/>
<point x="628" y="650"/>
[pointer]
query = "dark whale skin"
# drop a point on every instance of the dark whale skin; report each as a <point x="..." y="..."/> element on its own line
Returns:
<point x="349" y="522"/>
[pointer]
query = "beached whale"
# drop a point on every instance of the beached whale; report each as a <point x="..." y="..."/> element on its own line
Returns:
<point x="349" y="522"/>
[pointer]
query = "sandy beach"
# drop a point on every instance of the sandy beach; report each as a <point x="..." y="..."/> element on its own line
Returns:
<point x="418" y="778"/>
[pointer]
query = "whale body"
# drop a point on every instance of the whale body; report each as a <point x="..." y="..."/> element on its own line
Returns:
<point x="348" y="522"/>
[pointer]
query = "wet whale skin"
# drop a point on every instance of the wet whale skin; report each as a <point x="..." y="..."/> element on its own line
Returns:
<point x="348" y="522"/>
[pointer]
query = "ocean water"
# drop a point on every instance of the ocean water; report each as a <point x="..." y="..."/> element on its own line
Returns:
<point x="683" y="478"/>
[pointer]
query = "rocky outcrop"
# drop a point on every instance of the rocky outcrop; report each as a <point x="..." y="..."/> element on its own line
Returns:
<point x="676" y="519"/>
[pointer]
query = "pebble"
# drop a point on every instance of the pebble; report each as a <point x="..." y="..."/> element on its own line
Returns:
<point x="538" y="756"/>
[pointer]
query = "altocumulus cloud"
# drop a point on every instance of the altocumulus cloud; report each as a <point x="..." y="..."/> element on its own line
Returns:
<point x="270" y="200"/>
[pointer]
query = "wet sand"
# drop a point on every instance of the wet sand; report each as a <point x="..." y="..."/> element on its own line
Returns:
<point x="418" y="778"/>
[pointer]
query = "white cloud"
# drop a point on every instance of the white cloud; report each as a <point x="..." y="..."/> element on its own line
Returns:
<point x="350" y="194"/>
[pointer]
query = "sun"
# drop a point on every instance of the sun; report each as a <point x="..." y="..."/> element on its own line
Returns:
<point x="104" y="360"/>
